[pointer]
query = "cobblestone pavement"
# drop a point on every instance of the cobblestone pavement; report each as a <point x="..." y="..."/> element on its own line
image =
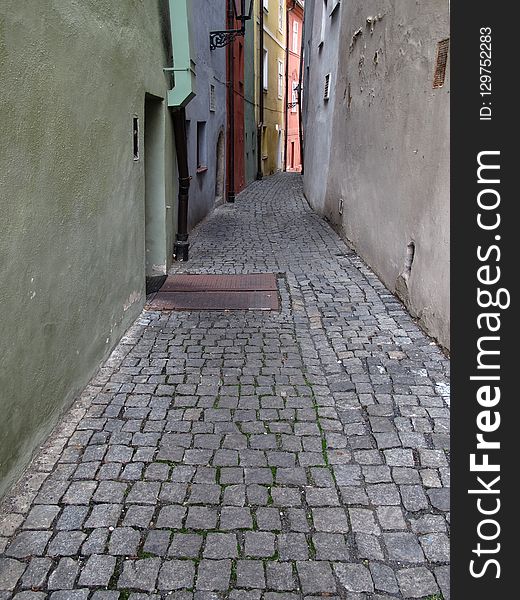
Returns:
<point x="249" y="455"/>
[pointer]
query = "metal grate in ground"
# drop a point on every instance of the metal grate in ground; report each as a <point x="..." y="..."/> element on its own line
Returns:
<point x="254" y="291"/>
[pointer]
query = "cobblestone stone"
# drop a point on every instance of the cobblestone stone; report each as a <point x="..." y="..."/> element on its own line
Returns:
<point x="10" y="572"/>
<point x="66" y="543"/>
<point x="29" y="543"/>
<point x="416" y="582"/>
<point x="251" y="455"/>
<point x="140" y="574"/>
<point x="41" y="516"/>
<point x="213" y="575"/>
<point x="36" y="573"/>
<point x="176" y="575"/>
<point x="354" y="578"/>
<point x="250" y="573"/>
<point x="316" y="577"/>
<point x="98" y="570"/>
<point x="64" y="576"/>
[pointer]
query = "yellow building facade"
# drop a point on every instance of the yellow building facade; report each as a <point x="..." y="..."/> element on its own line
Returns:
<point x="274" y="57"/>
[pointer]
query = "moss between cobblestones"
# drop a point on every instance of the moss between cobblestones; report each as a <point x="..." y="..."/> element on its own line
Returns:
<point x="163" y="461"/>
<point x="312" y="547"/>
<point x="112" y="584"/>
<point x="233" y="575"/>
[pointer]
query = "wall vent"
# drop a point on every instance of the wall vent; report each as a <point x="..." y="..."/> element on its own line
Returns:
<point x="440" y="64"/>
<point x="326" y="90"/>
<point x="212" y="100"/>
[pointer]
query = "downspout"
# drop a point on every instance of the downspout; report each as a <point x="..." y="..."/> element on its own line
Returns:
<point x="181" y="246"/>
<point x="231" y="106"/>
<point x="260" y="169"/>
<point x="286" y="111"/>
<point x="300" y="92"/>
<point x="182" y="92"/>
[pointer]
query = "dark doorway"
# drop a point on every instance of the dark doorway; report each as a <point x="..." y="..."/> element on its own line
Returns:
<point x="219" y="176"/>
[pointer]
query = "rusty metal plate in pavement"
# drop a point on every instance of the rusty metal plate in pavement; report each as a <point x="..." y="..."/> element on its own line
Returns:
<point x="250" y="282"/>
<point x="234" y="300"/>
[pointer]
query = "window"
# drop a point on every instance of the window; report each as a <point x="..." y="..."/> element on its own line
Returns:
<point x="326" y="90"/>
<point x="295" y="36"/>
<point x="280" y="14"/>
<point x="266" y="5"/>
<point x="324" y="15"/>
<point x="212" y="100"/>
<point x="135" y="137"/>
<point x="294" y="97"/>
<point x="280" y="79"/>
<point x="266" y="69"/>
<point x="202" y="158"/>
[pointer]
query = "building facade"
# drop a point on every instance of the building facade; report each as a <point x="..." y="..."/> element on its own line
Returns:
<point x="89" y="194"/>
<point x="250" y="97"/>
<point x="294" y="31"/>
<point x="273" y="84"/>
<point x="376" y="122"/>
<point x="235" y="110"/>
<point x="206" y="113"/>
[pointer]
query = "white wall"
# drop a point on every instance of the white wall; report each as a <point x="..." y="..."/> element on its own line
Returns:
<point x="387" y="140"/>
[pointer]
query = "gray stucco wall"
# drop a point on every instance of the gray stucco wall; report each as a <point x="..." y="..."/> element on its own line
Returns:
<point x="389" y="148"/>
<point x="72" y="248"/>
<point x="206" y="16"/>
<point x="320" y="59"/>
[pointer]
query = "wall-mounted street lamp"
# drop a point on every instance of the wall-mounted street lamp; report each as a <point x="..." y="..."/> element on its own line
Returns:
<point x="297" y="101"/>
<point x="219" y="39"/>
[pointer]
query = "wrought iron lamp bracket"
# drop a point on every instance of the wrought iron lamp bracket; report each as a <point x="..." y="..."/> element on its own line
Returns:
<point x="219" y="39"/>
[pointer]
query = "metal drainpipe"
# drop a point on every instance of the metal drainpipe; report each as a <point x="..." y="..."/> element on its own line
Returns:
<point x="286" y="111"/>
<point x="260" y="169"/>
<point x="181" y="246"/>
<point x="231" y="105"/>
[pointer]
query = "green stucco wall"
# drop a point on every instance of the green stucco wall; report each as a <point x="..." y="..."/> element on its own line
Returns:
<point x="72" y="203"/>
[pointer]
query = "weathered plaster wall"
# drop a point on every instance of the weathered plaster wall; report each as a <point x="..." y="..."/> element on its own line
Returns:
<point x="389" y="150"/>
<point x="72" y="228"/>
<point x="321" y="57"/>
<point x="206" y="16"/>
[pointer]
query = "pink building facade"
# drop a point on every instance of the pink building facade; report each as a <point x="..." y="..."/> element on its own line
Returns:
<point x="294" y="41"/>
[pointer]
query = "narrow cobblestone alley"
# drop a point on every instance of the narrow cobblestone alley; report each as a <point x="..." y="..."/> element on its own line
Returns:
<point x="251" y="454"/>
